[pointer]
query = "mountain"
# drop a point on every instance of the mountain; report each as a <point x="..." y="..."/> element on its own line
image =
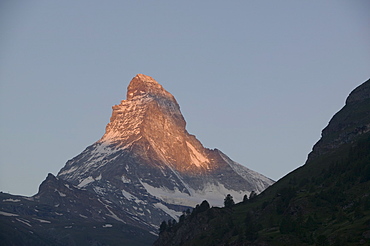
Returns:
<point x="145" y="169"/>
<point x="150" y="166"/>
<point x="324" y="202"/>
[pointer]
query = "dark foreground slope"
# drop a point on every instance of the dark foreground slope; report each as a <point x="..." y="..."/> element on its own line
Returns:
<point x="324" y="202"/>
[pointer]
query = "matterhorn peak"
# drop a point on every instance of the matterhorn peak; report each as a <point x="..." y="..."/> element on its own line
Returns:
<point x="147" y="105"/>
<point x="143" y="85"/>
<point x="150" y="166"/>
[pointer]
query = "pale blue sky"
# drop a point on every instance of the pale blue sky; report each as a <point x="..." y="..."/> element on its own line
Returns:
<point x="258" y="80"/>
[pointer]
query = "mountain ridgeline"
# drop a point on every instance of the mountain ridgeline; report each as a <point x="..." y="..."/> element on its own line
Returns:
<point x="150" y="166"/>
<point x="145" y="169"/>
<point x="324" y="202"/>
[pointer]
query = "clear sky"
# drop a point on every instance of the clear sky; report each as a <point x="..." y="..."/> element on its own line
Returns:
<point x="258" y="80"/>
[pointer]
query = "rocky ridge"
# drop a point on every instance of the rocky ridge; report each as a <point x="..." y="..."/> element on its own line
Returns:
<point x="150" y="166"/>
<point x="351" y="121"/>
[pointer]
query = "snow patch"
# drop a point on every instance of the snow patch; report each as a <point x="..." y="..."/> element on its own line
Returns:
<point x="8" y="214"/>
<point x="86" y="181"/>
<point x="216" y="193"/>
<point x="125" y="179"/>
<point x="131" y="197"/>
<point x="60" y="193"/>
<point x="213" y="193"/>
<point x="68" y="171"/>
<point x="107" y="226"/>
<point x="42" y="221"/>
<point x="196" y="157"/>
<point x="174" y="214"/>
<point x="26" y="222"/>
<point x="112" y="215"/>
<point x="67" y="185"/>
<point x="99" y="190"/>
<point x="11" y="200"/>
<point x="128" y="195"/>
<point x="99" y="177"/>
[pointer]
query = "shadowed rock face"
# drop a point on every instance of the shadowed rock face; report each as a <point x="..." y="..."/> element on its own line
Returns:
<point x="147" y="164"/>
<point x="352" y="120"/>
<point x="359" y="94"/>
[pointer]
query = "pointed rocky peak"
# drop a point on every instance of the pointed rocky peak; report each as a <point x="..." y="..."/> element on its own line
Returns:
<point x="50" y="181"/>
<point x="142" y="85"/>
<point x="50" y="178"/>
<point x="147" y="105"/>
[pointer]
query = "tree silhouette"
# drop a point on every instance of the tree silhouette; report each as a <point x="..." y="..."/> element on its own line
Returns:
<point x="204" y="206"/>
<point x="229" y="201"/>
<point x="245" y="198"/>
<point x="162" y="227"/>
<point x="252" y="194"/>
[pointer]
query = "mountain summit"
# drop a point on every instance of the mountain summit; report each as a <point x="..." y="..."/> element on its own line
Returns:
<point x="133" y="117"/>
<point x="143" y="84"/>
<point x="150" y="166"/>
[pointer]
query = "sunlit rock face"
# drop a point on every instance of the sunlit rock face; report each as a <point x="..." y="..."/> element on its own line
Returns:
<point x="150" y="166"/>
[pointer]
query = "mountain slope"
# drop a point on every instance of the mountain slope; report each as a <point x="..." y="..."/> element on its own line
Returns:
<point x="150" y="166"/>
<point x="145" y="169"/>
<point x="63" y="214"/>
<point x="324" y="202"/>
